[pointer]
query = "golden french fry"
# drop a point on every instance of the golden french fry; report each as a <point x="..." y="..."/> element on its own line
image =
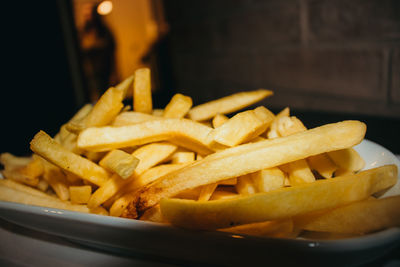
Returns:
<point x="347" y="159"/>
<point x="227" y="104"/>
<point x="16" y="175"/>
<point x="103" y="112"/>
<point x="279" y="228"/>
<point x="142" y="101"/>
<point x="125" y="84"/>
<point x="149" y="155"/>
<point x="120" y="162"/>
<point x="356" y="218"/>
<point x="230" y="181"/>
<point x="241" y="128"/>
<point x="13" y="195"/>
<point x="57" y="180"/>
<point x="218" y="120"/>
<point x="178" y="106"/>
<point x="207" y="191"/>
<point x="43" y="185"/>
<point x="245" y="185"/>
<point x="158" y="112"/>
<point x="152" y="174"/>
<point x="153" y="215"/>
<point x="223" y="194"/>
<point x="183" y="157"/>
<point x="133" y="117"/>
<point x="273" y="130"/>
<point x="189" y="134"/>
<point x="23" y="188"/>
<point x="252" y="157"/>
<point x="43" y="145"/>
<point x="281" y="203"/>
<point x="80" y="194"/>
<point x="268" y="179"/>
<point x="299" y="172"/>
<point x="323" y="165"/>
<point x="289" y="125"/>
<point x="10" y="162"/>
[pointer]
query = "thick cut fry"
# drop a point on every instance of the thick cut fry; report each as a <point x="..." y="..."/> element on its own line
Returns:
<point x="245" y="185"/>
<point x="347" y="159"/>
<point x="142" y="101"/>
<point x="9" y="161"/>
<point x="18" y="196"/>
<point x="290" y="125"/>
<point x="268" y="179"/>
<point x="158" y="112"/>
<point x="218" y="120"/>
<point x="132" y="117"/>
<point x="223" y="194"/>
<point x="282" y="203"/>
<point x="227" y="104"/>
<point x="103" y="112"/>
<point x="57" y="180"/>
<point x="73" y="125"/>
<point x="153" y="215"/>
<point x="120" y="162"/>
<point x="241" y="128"/>
<point x="279" y="228"/>
<point x="125" y="85"/>
<point x="80" y="194"/>
<point x="23" y="188"/>
<point x="189" y="134"/>
<point x="323" y="165"/>
<point x="299" y="172"/>
<point x="356" y="218"/>
<point x="207" y="191"/>
<point x="15" y="175"/>
<point x="178" y="106"/>
<point x="183" y="157"/>
<point x="43" y="145"/>
<point x="252" y="157"/>
<point x="43" y="185"/>
<point x="149" y="156"/>
<point x="273" y="130"/>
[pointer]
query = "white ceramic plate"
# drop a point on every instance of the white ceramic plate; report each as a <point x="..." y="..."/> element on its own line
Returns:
<point x="126" y="236"/>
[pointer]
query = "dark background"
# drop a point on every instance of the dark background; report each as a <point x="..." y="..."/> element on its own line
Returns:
<point x="38" y="87"/>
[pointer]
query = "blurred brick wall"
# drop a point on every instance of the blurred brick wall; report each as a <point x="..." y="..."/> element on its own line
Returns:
<point x="322" y="55"/>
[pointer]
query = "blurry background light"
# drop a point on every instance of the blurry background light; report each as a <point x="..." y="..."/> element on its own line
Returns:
<point x="105" y="8"/>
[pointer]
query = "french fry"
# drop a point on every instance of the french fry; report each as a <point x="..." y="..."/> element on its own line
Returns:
<point x="120" y="162"/>
<point x="142" y="101"/>
<point x="43" y="145"/>
<point x="347" y="159"/>
<point x="241" y="128"/>
<point x="298" y="171"/>
<point x="282" y="203"/>
<point x="153" y="215"/>
<point x="103" y="112"/>
<point x="57" y="180"/>
<point x="252" y="157"/>
<point x="182" y="157"/>
<point x="43" y="185"/>
<point x="189" y="134"/>
<point x="148" y="156"/>
<point x="152" y="174"/>
<point x="207" y="191"/>
<point x="80" y="194"/>
<point x="356" y="218"/>
<point x="18" y="196"/>
<point x="268" y="179"/>
<point x="227" y="104"/>
<point x="158" y="112"/>
<point x="178" y="106"/>
<point x="323" y="165"/>
<point x="223" y="194"/>
<point x="23" y="188"/>
<point x="218" y="120"/>
<point x="273" y="130"/>
<point x="10" y="162"/>
<point x="245" y="185"/>
<point x="133" y="117"/>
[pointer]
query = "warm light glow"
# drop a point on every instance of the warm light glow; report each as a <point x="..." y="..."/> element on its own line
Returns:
<point x="105" y="8"/>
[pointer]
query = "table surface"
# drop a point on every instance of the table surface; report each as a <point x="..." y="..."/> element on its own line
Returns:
<point x="20" y="246"/>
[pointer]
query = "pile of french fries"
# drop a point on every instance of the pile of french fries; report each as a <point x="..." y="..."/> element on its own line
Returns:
<point x="255" y="172"/>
